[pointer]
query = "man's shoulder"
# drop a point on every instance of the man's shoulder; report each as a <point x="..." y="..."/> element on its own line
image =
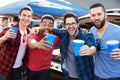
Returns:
<point x="115" y="25"/>
<point x="115" y="28"/>
<point x="93" y="29"/>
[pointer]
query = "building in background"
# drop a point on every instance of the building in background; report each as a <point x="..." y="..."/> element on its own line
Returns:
<point x="112" y="7"/>
<point x="109" y="4"/>
<point x="113" y="17"/>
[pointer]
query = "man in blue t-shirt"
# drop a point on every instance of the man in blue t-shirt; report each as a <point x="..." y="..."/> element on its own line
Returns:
<point x="107" y="65"/>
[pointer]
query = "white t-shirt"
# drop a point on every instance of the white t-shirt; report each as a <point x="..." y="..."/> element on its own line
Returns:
<point x="21" y="51"/>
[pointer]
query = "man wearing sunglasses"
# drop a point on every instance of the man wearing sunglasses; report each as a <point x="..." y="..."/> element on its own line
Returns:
<point x="107" y="65"/>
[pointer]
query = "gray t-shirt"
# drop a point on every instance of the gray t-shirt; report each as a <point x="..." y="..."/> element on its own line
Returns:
<point x="105" y="66"/>
<point x="70" y="60"/>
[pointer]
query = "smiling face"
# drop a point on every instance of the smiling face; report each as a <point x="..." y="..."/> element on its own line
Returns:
<point x="71" y="26"/>
<point x="25" y="18"/>
<point x="5" y="23"/>
<point x="47" y="25"/>
<point x="98" y="17"/>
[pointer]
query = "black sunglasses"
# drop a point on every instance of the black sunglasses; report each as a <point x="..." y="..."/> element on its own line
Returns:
<point x="98" y="44"/>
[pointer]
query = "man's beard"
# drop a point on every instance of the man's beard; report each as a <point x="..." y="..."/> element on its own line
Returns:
<point x="101" y="24"/>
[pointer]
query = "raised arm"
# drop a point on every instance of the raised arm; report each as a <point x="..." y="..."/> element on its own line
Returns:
<point x="6" y="36"/>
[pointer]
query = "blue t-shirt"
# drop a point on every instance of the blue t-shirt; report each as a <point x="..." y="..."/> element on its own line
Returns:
<point x="105" y="66"/>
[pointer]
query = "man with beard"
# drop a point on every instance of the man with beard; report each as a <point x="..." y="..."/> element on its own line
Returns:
<point x="75" y="67"/>
<point x="39" y="53"/>
<point x="107" y="65"/>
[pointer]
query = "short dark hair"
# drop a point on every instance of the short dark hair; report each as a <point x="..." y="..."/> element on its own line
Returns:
<point x="4" y="18"/>
<point x="98" y="5"/>
<point x="69" y="14"/>
<point x="25" y="8"/>
<point x="47" y="16"/>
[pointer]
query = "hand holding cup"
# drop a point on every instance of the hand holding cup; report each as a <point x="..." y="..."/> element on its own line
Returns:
<point x="112" y="44"/>
<point x="77" y="44"/>
<point x="14" y="32"/>
<point x="113" y="47"/>
<point x="50" y="38"/>
<point x="9" y="34"/>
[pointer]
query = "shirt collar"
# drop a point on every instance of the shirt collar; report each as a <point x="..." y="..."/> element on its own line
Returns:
<point x="22" y="33"/>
